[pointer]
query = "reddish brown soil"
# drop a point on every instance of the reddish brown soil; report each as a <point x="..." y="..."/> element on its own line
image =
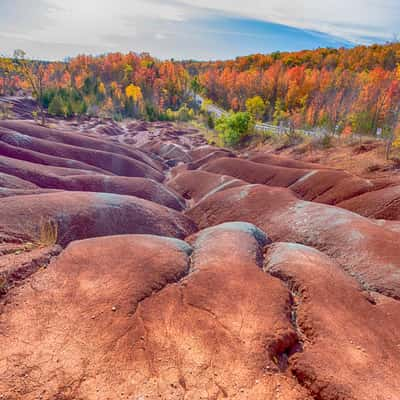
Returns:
<point x="196" y="185"/>
<point x="350" y="342"/>
<point x="380" y="204"/>
<point x="369" y="252"/>
<point x="138" y="263"/>
<point x="363" y="159"/>
<point x="321" y="185"/>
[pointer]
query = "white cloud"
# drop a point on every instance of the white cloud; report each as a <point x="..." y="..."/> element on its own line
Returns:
<point x="349" y="19"/>
<point x="88" y="20"/>
<point x="160" y="36"/>
<point x="159" y="26"/>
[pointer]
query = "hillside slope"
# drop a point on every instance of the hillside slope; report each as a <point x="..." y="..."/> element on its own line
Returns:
<point x="138" y="262"/>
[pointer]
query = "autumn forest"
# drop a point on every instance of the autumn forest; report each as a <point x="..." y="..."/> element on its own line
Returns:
<point x="341" y="90"/>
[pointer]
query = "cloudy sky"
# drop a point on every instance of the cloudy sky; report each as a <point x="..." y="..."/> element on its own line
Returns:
<point x="198" y="29"/>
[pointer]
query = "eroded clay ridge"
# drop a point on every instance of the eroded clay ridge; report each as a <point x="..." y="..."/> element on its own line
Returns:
<point x="137" y="263"/>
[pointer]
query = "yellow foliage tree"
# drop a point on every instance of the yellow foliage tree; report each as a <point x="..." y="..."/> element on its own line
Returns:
<point x="102" y="88"/>
<point x="6" y="70"/>
<point x="134" y="92"/>
<point x="135" y="103"/>
<point x="256" y="107"/>
<point x="393" y="141"/>
<point x="396" y="140"/>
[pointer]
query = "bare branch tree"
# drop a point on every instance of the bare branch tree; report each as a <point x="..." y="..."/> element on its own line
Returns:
<point x="34" y="74"/>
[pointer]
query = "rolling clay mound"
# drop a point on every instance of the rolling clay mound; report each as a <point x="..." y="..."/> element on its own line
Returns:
<point x="133" y="312"/>
<point x="330" y="186"/>
<point x="37" y="174"/>
<point x="19" y="261"/>
<point x="205" y="154"/>
<point x="77" y="140"/>
<point x="381" y="204"/>
<point x="391" y="225"/>
<point x="78" y="215"/>
<point x="322" y="186"/>
<point x="196" y="185"/>
<point x="153" y="318"/>
<point x="208" y="158"/>
<point x="21" y="107"/>
<point x="86" y="282"/>
<point x="146" y="135"/>
<point x="50" y="164"/>
<point x="200" y="152"/>
<point x="271" y="159"/>
<point x="5" y="192"/>
<point x="350" y="342"/>
<point x="26" y="175"/>
<point x="339" y="233"/>
<point x="139" y="187"/>
<point x="252" y="172"/>
<point x="112" y="162"/>
<point x="13" y="182"/>
<point x="45" y="159"/>
<point x="169" y="151"/>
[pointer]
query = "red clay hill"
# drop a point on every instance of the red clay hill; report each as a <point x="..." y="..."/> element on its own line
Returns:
<point x="139" y="263"/>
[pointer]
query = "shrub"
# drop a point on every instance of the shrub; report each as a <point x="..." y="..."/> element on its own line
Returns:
<point x="151" y="113"/>
<point x="210" y="122"/>
<point x="5" y="111"/>
<point x="233" y="128"/>
<point x="184" y="114"/>
<point x="48" y="232"/>
<point x="326" y="141"/>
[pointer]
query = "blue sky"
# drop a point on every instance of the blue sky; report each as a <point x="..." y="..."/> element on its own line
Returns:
<point x="196" y="29"/>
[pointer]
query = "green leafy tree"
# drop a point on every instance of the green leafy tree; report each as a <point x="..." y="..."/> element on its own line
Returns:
<point x="195" y="85"/>
<point x="362" y="122"/>
<point x="57" y="107"/>
<point x="233" y="128"/>
<point x="279" y="113"/>
<point x="64" y="102"/>
<point x="151" y="112"/>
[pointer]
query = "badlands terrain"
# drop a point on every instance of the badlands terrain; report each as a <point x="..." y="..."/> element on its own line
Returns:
<point x="137" y="262"/>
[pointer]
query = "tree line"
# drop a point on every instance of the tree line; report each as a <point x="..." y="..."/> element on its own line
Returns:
<point x="342" y="90"/>
<point x="113" y="85"/>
